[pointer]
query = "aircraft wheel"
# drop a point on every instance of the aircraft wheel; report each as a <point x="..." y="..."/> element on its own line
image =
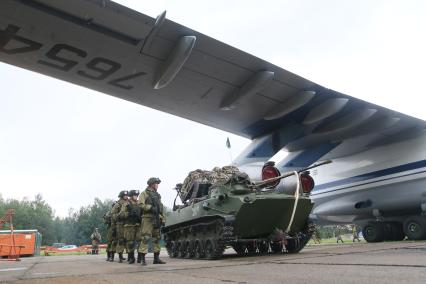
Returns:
<point x="397" y="232"/>
<point x="374" y="232"/>
<point x="415" y="228"/>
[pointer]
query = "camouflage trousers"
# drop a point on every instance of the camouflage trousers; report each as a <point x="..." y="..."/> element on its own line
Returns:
<point x="148" y="232"/>
<point x="121" y="242"/>
<point x="111" y="242"/>
<point x="132" y="236"/>
<point x="95" y="247"/>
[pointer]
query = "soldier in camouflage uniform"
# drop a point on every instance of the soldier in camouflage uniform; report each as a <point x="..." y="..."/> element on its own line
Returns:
<point x="96" y="240"/>
<point x="119" y="223"/>
<point x="110" y="234"/>
<point x="339" y="234"/>
<point x="152" y="219"/>
<point x="131" y="214"/>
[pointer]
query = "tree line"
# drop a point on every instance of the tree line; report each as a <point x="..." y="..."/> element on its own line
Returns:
<point x="77" y="227"/>
<point x="74" y="229"/>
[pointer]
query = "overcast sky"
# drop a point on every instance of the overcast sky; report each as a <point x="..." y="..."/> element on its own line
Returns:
<point x="72" y="144"/>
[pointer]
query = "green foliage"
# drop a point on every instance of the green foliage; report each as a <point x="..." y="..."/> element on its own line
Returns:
<point x="74" y="229"/>
<point x="327" y="232"/>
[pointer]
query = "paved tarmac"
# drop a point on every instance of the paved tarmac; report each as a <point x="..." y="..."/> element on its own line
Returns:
<point x="393" y="262"/>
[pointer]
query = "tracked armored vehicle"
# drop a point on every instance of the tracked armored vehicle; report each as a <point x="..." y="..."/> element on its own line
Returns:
<point x="251" y="218"/>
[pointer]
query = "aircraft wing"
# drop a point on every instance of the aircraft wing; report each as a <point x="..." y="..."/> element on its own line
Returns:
<point x="160" y="64"/>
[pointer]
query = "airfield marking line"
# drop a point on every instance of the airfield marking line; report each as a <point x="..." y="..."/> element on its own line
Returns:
<point x="13" y="269"/>
<point x="358" y="264"/>
<point x="45" y="273"/>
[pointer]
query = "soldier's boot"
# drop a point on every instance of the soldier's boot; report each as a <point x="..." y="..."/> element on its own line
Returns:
<point x="131" y="257"/>
<point x="139" y="257"/>
<point x="157" y="259"/>
<point x="93" y="251"/>
<point x="120" y="257"/>
<point x="111" y="256"/>
<point x="143" y="262"/>
<point x="108" y="255"/>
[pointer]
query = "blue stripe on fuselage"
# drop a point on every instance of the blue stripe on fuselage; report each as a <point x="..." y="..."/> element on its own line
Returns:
<point x="372" y="175"/>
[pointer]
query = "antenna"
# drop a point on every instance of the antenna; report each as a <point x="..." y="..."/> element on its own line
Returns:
<point x="228" y="145"/>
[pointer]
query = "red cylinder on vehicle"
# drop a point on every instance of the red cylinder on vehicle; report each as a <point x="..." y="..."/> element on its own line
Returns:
<point x="307" y="182"/>
<point x="269" y="171"/>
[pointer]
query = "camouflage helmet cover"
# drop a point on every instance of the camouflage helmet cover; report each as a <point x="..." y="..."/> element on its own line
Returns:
<point x="123" y="193"/>
<point x="134" y="192"/>
<point x="153" y="180"/>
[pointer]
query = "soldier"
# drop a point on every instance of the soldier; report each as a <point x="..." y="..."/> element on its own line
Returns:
<point x="339" y="235"/>
<point x="96" y="239"/>
<point x="110" y="234"/>
<point x="152" y="219"/>
<point x="119" y="223"/>
<point x="316" y="236"/>
<point x="131" y="214"/>
<point x="355" y="233"/>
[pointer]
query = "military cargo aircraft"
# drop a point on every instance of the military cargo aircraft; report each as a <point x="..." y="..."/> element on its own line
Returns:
<point x="378" y="175"/>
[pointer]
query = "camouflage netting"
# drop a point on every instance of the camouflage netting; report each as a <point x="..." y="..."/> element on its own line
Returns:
<point x="214" y="177"/>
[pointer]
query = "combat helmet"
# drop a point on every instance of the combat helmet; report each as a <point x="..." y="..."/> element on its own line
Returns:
<point x="133" y="192"/>
<point x="123" y="193"/>
<point x="153" y="180"/>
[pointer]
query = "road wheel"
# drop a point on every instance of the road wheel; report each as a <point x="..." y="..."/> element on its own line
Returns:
<point x="251" y="247"/>
<point x="182" y="249"/>
<point x="240" y="248"/>
<point x="198" y="249"/>
<point x="169" y="249"/>
<point x="263" y="247"/>
<point x="190" y="249"/>
<point x="175" y="249"/>
<point x="210" y="249"/>
<point x="277" y="247"/>
<point x="374" y="232"/>
<point x="415" y="228"/>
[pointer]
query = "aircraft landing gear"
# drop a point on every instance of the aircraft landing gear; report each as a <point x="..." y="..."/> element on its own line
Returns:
<point x="394" y="231"/>
<point x="374" y="232"/>
<point x="415" y="228"/>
